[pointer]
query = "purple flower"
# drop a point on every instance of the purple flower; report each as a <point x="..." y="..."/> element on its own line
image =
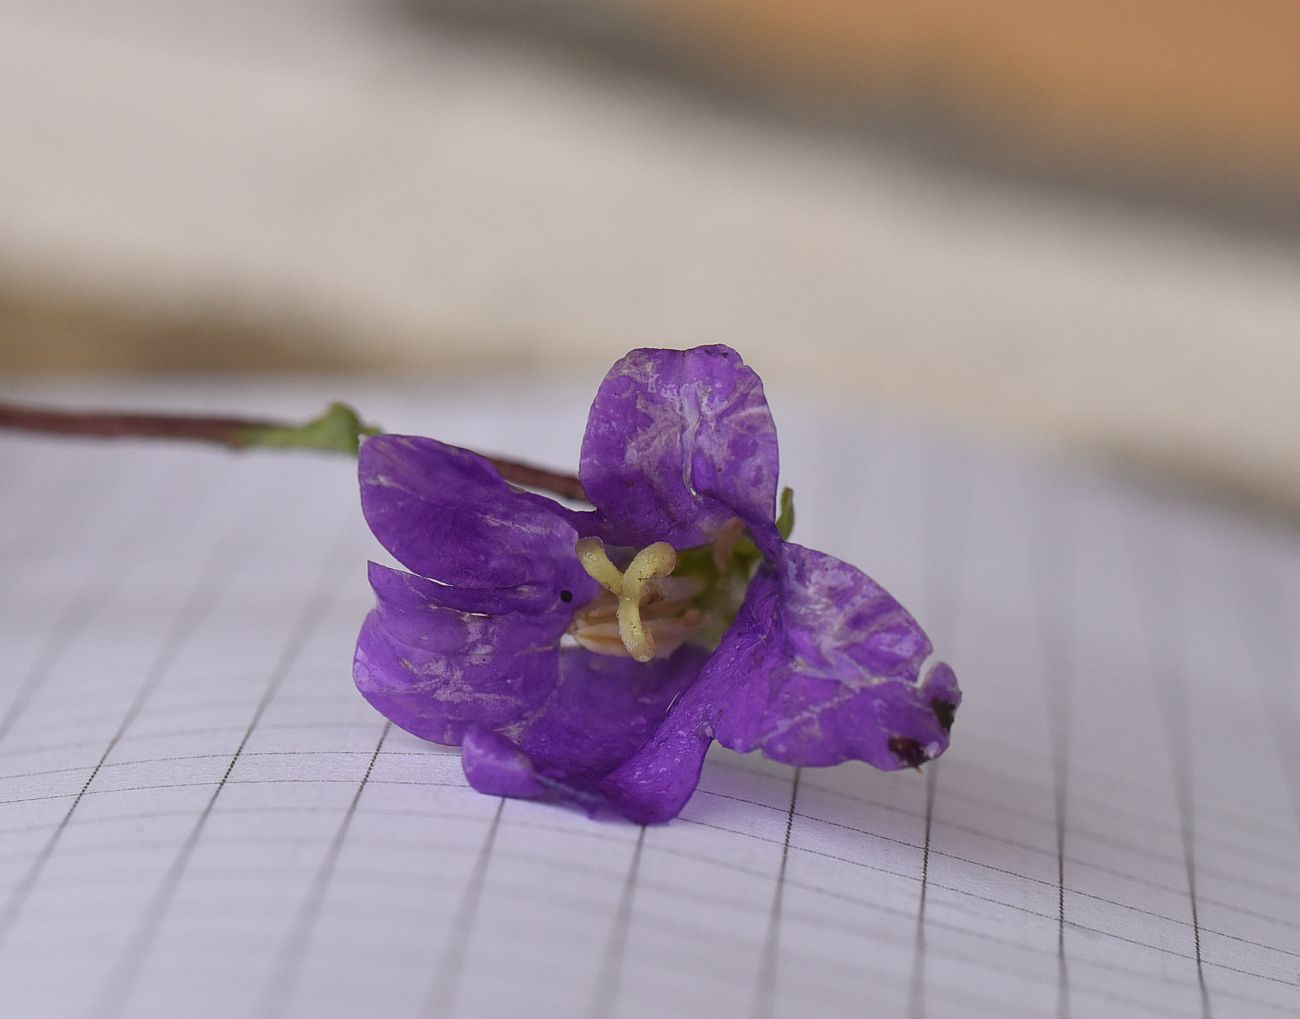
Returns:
<point x="592" y="657"/>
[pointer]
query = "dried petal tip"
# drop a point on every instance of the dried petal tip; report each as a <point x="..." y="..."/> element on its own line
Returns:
<point x="908" y="750"/>
<point x="944" y="711"/>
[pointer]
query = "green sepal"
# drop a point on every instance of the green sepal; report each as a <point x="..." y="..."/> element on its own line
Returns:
<point x="339" y="429"/>
<point x="785" y="517"/>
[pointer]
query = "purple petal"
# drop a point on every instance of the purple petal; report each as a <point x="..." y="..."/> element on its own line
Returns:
<point x="677" y="443"/>
<point x="435" y="694"/>
<point x="654" y="784"/>
<point x="410" y="607"/>
<point x="600" y="712"/>
<point x="535" y="720"/>
<point x="495" y="766"/>
<point x="446" y="513"/>
<point x="821" y="666"/>
<point x="435" y="670"/>
<point x="404" y="598"/>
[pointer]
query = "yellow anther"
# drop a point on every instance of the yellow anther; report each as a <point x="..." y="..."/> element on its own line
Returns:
<point x="595" y="560"/>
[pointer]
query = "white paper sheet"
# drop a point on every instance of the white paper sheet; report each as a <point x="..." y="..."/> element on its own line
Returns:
<point x="200" y="817"/>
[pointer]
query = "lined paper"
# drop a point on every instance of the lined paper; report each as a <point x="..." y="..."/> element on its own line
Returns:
<point x="200" y="817"/>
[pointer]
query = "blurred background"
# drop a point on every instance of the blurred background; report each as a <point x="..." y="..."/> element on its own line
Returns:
<point x="1072" y="226"/>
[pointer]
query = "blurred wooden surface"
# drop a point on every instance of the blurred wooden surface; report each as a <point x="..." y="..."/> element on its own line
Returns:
<point x="1195" y="80"/>
<point x="329" y="185"/>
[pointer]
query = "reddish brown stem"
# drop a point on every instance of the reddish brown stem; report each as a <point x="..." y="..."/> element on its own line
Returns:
<point x="565" y="485"/>
<point x="231" y="432"/>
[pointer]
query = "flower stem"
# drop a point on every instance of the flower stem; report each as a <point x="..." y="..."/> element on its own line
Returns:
<point x="339" y="429"/>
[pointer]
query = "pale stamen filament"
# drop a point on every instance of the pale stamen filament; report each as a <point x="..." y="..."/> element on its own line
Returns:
<point x="724" y="544"/>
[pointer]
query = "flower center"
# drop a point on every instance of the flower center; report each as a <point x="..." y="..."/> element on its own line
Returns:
<point x="644" y="612"/>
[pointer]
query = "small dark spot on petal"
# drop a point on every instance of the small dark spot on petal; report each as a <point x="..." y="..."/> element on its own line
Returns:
<point x="908" y="750"/>
<point x="566" y="597"/>
<point x="945" y="711"/>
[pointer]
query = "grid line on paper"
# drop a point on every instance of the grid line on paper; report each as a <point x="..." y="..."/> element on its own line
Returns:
<point x="76" y="612"/>
<point x="1011" y="873"/>
<point x="1267" y="628"/>
<point x="753" y="836"/>
<point x="443" y="992"/>
<point x="121" y="981"/>
<point x="838" y="894"/>
<point x="944" y="558"/>
<point x="281" y="982"/>
<point x="764" y="1004"/>
<point x="183" y="624"/>
<point x="855" y="863"/>
<point x="214" y="782"/>
<point x="1153" y="854"/>
<point x="99" y="582"/>
<point x="1052" y="537"/>
<point x="683" y="893"/>
<point x="937" y="923"/>
<point x="1078" y="860"/>
<point x="967" y="893"/>
<point x="604" y="997"/>
<point x="194" y="757"/>
<point x="1066" y="888"/>
<point x="916" y="986"/>
<point x="1115" y="783"/>
<point x="1271" y="917"/>
<point x="1162" y="603"/>
<point x="1239" y="849"/>
<point x="1135" y="809"/>
<point x="674" y="851"/>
